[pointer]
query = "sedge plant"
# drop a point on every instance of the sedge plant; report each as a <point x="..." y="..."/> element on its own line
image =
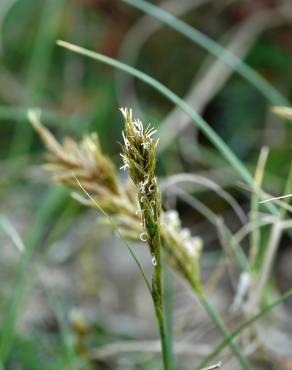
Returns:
<point x="135" y="210"/>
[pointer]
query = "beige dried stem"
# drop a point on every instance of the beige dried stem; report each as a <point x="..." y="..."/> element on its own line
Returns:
<point x="283" y="112"/>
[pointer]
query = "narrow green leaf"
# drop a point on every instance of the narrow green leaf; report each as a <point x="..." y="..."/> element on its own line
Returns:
<point x="254" y="78"/>
<point x="216" y="140"/>
<point x="52" y="199"/>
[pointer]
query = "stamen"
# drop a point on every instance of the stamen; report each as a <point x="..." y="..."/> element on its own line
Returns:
<point x="143" y="237"/>
<point x="126" y="141"/>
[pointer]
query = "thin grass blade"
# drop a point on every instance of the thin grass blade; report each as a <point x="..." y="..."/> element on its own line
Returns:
<point x="197" y="120"/>
<point x="255" y="79"/>
<point x="241" y="327"/>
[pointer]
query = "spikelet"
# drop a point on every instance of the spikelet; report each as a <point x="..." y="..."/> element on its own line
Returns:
<point x="96" y="173"/>
<point x="138" y="154"/>
<point x="182" y="248"/>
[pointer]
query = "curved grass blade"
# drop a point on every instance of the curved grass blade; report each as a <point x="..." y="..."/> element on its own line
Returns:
<point x="38" y="68"/>
<point x="215" y="139"/>
<point x="254" y="78"/>
<point x="254" y="214"/>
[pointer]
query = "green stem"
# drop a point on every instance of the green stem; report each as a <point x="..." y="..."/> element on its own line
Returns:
<point x="224" y="331"/>
<point x="157" y="299"/>
<point x="227" y="340"/>
<point x="168" y="310"/>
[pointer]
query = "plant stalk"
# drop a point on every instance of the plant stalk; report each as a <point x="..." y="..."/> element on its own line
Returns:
<point x="157" y="300"/>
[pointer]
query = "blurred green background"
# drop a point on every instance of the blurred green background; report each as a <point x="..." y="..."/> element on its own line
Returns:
<point x="78" y="95"/>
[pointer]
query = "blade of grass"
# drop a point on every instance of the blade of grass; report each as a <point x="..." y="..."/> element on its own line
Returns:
<point x="214" y="48"/>
<point x="168" y="312"/>
<point x="215" y="317"/>
<point x="218" y="223"/>
<point x="66" y="336"/>
<point x="38" y="68"/>
<point x="271" y="249"/>
<point x="242" y="327"/>
<point x="52" y="199"/>
<point x="134" y="41"/>
<point x="5" y="7"/>
<point x="205" y="182"/>
<point x="287" y="191"/>
<point x="258" y="178"/>
<point x="276" y="198"/>
<point x="54" y="303"/>
<point x="215" y="139"/>
<point x="228" y="237"/>
<point x="67" y="215"/>
<point x="10" y="230"/>
<point x="224" y="331"/>
<point x="268" y="197"/>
